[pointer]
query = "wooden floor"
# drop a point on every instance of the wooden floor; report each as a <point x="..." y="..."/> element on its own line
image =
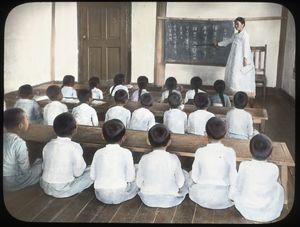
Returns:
<point x="32" y="205"/>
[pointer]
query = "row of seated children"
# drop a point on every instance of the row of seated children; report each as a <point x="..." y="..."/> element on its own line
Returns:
<point x="158" y="178"/>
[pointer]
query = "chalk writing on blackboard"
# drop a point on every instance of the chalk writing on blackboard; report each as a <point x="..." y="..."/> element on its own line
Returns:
<point x="191" y="42"/>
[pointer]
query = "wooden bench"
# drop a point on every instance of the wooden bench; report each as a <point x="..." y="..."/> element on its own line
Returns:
<point x="183" y="145"/>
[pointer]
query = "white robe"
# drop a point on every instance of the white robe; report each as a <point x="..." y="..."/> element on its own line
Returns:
<point x="175" y="120"/>
<point x="113" y="173"/>
<point x="190" y="94"/>
<point x="69" y="92"/>
<point x="258" y="196"/>
<point x="142" y="119"/>
<point x="97" y="93"/>
<point x="165" y="94"/>
<point x="118" y="87"/>
<point x="235" y="78"/>
<point x="135" y="95"/>
<point x="118" y="112"/>
<point x="85" y="115"/>
<point x="214" y="175"/>
<point x="52" y="109"/>
<point x="197" y="121"/>
<point x="161" y="180"/>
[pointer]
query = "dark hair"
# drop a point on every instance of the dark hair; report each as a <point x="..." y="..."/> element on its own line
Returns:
<point x="171" y="84"/>
<point x="53" y="92"/>
<point x="118" y="79"/>
<point x="215" y="128"/>
<point x="261" y="147"/>
<point x="240" y="19"/>
<point x="64" y="124"/>
<point x="219" y="86"/>
<point x="121" y="96"/>
<point x="68" y="80"/>
<point x="159" y="135"/>
<point x="93" y="82"/>
<point x="240" y="100"/>
<point x="25" y="91"/>
<point x="113" y="130"/>
<point x="84" y="95"/>
<point x="142" y="82"/>
<point x="147" y="99"/>
<point x="13" y="117"/>
<point x="174" y="100"/>
<point x="201" y="100"/>
<point x="196" y="83"/>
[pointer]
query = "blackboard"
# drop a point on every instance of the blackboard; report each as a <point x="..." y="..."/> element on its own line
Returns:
<point x="191" y="42"/>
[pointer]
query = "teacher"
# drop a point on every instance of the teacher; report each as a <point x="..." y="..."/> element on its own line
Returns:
<point x="240" y="71"/>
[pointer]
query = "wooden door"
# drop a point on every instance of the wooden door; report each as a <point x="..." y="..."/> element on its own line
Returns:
<point x="104" y="40"/>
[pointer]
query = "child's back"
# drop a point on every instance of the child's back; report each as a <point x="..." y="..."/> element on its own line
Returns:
<point x="96" y="92"/>
<point x="112" y="167"/>
<point x="119" y="81"/>
<point x="175" y="119"/>
<point x="29" y="105"/>
<point x="142" y="118"/>
<point x="239" y="121"/>
<point x="196" y="83"/>
<point x="220" y="99"/>
<point x="118" y="111"/>
<point x="258" y="195"/>
<point x="213" y="170"/>
<point x="83" y="113"/>
<point x="55" y="107"/>
<point x="197" y="120"/>
<point x="171" y="86"/>
<point x="67" y="90"/>
<point x="142" y="82"/>
<point x="160" y="178"/>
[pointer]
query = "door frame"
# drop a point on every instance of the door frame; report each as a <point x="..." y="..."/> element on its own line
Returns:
<point x="128" y="15"/>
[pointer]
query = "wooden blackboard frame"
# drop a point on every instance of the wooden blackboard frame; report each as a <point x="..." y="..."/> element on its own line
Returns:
<point x="194" y="48"/>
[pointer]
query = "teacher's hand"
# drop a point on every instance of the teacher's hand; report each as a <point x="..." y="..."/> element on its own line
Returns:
<point x="244" y="62"/>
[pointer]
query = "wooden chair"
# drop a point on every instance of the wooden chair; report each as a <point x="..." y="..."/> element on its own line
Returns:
<point x="259" y="59"/>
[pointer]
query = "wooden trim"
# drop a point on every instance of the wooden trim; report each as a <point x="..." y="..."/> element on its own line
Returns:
<point x="222" y="19"/>
<point x="159" y="65"/>
<point x="52" y="44"/>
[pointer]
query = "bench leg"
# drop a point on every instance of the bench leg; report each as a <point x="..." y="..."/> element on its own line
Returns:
<point x="262" y="126"/>
<point x="284" y="182"/>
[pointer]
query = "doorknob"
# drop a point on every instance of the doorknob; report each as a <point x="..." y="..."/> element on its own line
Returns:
<point x="84" y="37"/>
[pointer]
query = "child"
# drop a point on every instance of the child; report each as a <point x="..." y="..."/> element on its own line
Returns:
<point x="64" y="169"/>
<point x="197" y="119"/>
<point x="239" y="121"/>
<point x="29" y="105"/>
<point x="119" y="111"/>
<point x="17" y="171"/>
<point x="112" y="167"/>
<point x="162" y="181"/>
<point x="96" y="92"/>
<point x="259" y="196"/>
<point x="67" y="90"/>
<point x="196" y="83"/>
<point x="142" y="82"/>
<point x="175" y="119"/>
<point x="171" y="85"/>
<point x="119" y="81"/>
<point x="142" y="118"/>
<point x="213" y="170"/>
<point x="55" y="107"/>
<point x="220" y="99"/>
<point x="83" y="113"/>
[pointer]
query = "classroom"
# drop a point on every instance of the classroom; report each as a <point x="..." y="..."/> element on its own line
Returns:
<point x="45" y="41"/>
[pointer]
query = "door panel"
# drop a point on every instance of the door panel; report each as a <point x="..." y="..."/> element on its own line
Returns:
<point x="104" y="45"/>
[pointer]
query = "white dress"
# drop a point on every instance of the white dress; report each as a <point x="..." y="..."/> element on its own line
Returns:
<point x="135" y="95"/>
<point x="197" y="121"/>
<point x="118" y="87"/>
<point x="239" y="124"/>
<point x="52" y="109"/>
<point x="97" y="93"/>
<point x="113" y="173"/>
<point x="165" y="94"/>
<point x="190" y="94"/>
<point x="237" y="77"/>
<point x="142" y="119"/>
<point x="118" y="112"/>
<point x="69" y="92"/>
<point x="258" y="196"/>
<point x="161" y="180"/>
<point x="214" y="175"/>
<point x="175" y="120"/>
<point x="85" y="115"/>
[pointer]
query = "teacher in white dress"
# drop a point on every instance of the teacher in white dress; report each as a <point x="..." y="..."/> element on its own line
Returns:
<point x="240" y="71"/>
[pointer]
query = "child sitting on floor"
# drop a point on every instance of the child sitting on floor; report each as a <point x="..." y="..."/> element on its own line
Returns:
<point x="112" y="167"/>
<point x="17" y="171"/>
<point x="64" y="169"/>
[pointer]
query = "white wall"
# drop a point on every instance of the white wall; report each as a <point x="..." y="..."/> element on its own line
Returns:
<point x="143" y="40"/>
<point x="27" y="45"/>
<point x="288" y="83"/>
